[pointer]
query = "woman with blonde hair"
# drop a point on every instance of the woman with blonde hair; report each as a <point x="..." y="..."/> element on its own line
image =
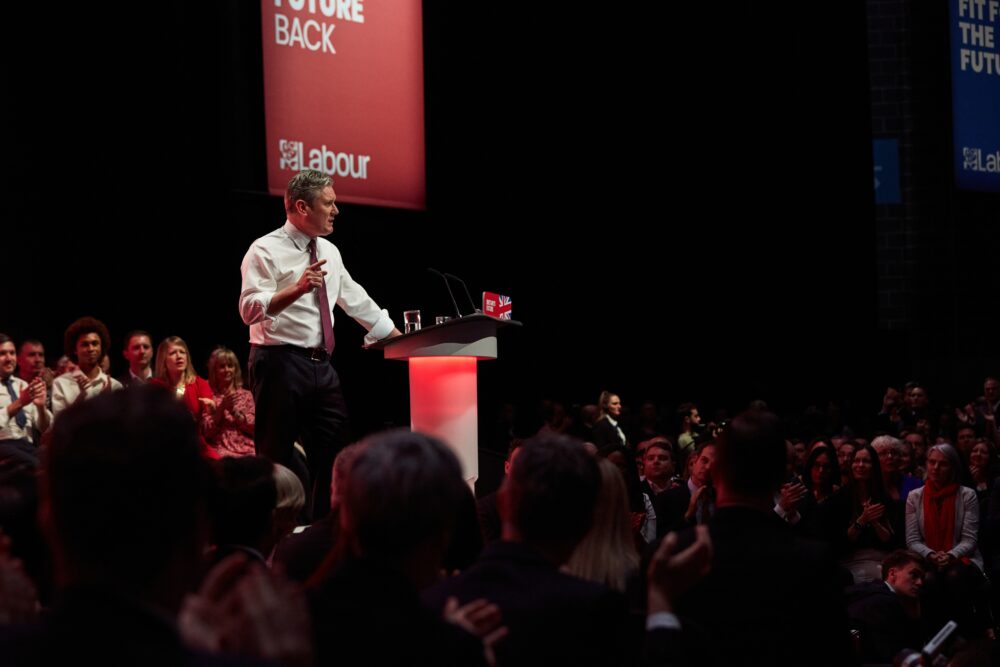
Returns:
<point x="607" y="554"/>
<point x="607" y="430"/>
<point x="174" y="372"/>
<point x="229" y="425"/>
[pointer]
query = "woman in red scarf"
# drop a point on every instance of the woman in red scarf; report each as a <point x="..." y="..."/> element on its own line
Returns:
<point x="942" y="523"/>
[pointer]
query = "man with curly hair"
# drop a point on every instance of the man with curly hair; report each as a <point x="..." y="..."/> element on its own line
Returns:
<point x="86" y="342"/>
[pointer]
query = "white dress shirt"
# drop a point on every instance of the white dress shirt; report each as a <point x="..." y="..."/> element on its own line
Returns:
<point x="278" y="260"/>
<point x="65" y="389"/>
<point x="9" y="430"/>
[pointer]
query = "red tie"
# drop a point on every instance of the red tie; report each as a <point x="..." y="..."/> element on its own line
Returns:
<point x="325" y="315"/>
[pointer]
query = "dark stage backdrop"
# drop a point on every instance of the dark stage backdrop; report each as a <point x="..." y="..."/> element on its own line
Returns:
<point x="678" y="200"/>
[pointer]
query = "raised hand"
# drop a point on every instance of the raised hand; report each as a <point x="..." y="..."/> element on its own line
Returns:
<point x="672" y="573"/>
<point x="872" y="512"/>
<point x="479" y="617"/>
<point x="312" y="277"/>
<point x="37" y="392"/>
<point x="243" y="609"/>
<point x="791" y="495"/>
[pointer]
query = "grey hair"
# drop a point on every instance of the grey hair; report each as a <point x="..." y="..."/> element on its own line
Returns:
<point x="952" y="455"/>
<point x="401" y="490"/>
<point x="305" y="185"/>
<point x="889" y="440"/>
<point x="291" y="494"/>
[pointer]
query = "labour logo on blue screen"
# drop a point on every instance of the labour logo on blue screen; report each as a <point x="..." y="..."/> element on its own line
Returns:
<point x="975" y="160"/>
<point x="975" y="76"/>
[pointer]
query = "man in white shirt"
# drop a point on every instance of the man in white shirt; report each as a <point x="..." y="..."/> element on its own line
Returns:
<point x="31" y="364"/>
<point x="689" y="503"/>
<point x="887" y="613"/>
<point x="31" y="361"/>
<point x="291" y="279"/>
<point x="86" y="340"/>
<point x="22" y="409"/>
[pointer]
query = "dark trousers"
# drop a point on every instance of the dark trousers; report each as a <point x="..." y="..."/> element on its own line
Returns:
<point x="298" y="398"/>
<point x="18" y="452"/>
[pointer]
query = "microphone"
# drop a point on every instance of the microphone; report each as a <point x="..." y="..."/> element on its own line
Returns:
<point x="458" y="312"/>
<point x="469" y="296"/>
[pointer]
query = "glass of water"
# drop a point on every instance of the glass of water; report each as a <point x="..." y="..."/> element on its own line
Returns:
<point x="411" y="321"/>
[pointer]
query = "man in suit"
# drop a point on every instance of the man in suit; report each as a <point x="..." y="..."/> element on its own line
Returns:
<point x="657" y="466"/>
<point x="690" y="502"/>
<point x="770" y="597"/>
<point x="886" y="613"/>
<point x="138" y="352"/>
<point x="546" y="505"/>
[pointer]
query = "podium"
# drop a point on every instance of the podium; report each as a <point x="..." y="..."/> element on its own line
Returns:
<point x="443" y="373"/>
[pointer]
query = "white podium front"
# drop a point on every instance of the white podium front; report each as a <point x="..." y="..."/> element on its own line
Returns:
<point x="444" y="398"/>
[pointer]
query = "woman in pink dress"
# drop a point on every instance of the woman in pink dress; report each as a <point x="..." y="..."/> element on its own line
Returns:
<point x="229" y="426"/>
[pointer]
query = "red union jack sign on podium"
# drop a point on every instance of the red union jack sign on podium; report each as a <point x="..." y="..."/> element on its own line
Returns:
<point x="496" y="305"/>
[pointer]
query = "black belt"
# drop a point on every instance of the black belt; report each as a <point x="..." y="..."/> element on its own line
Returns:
<point x="316" y="354"/>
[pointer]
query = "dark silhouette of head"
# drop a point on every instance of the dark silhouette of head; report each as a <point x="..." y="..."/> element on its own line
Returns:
<point x="548" y="498"/>
<point x="399" y="502"/>
<point x="750" y="458"/>
<point x="247" y="498"/>
<point x="124" y="498"/>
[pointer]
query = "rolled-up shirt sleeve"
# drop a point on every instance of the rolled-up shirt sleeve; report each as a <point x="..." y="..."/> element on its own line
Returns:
<point x="382" y="329"/>
<point x="259" y="285"/>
